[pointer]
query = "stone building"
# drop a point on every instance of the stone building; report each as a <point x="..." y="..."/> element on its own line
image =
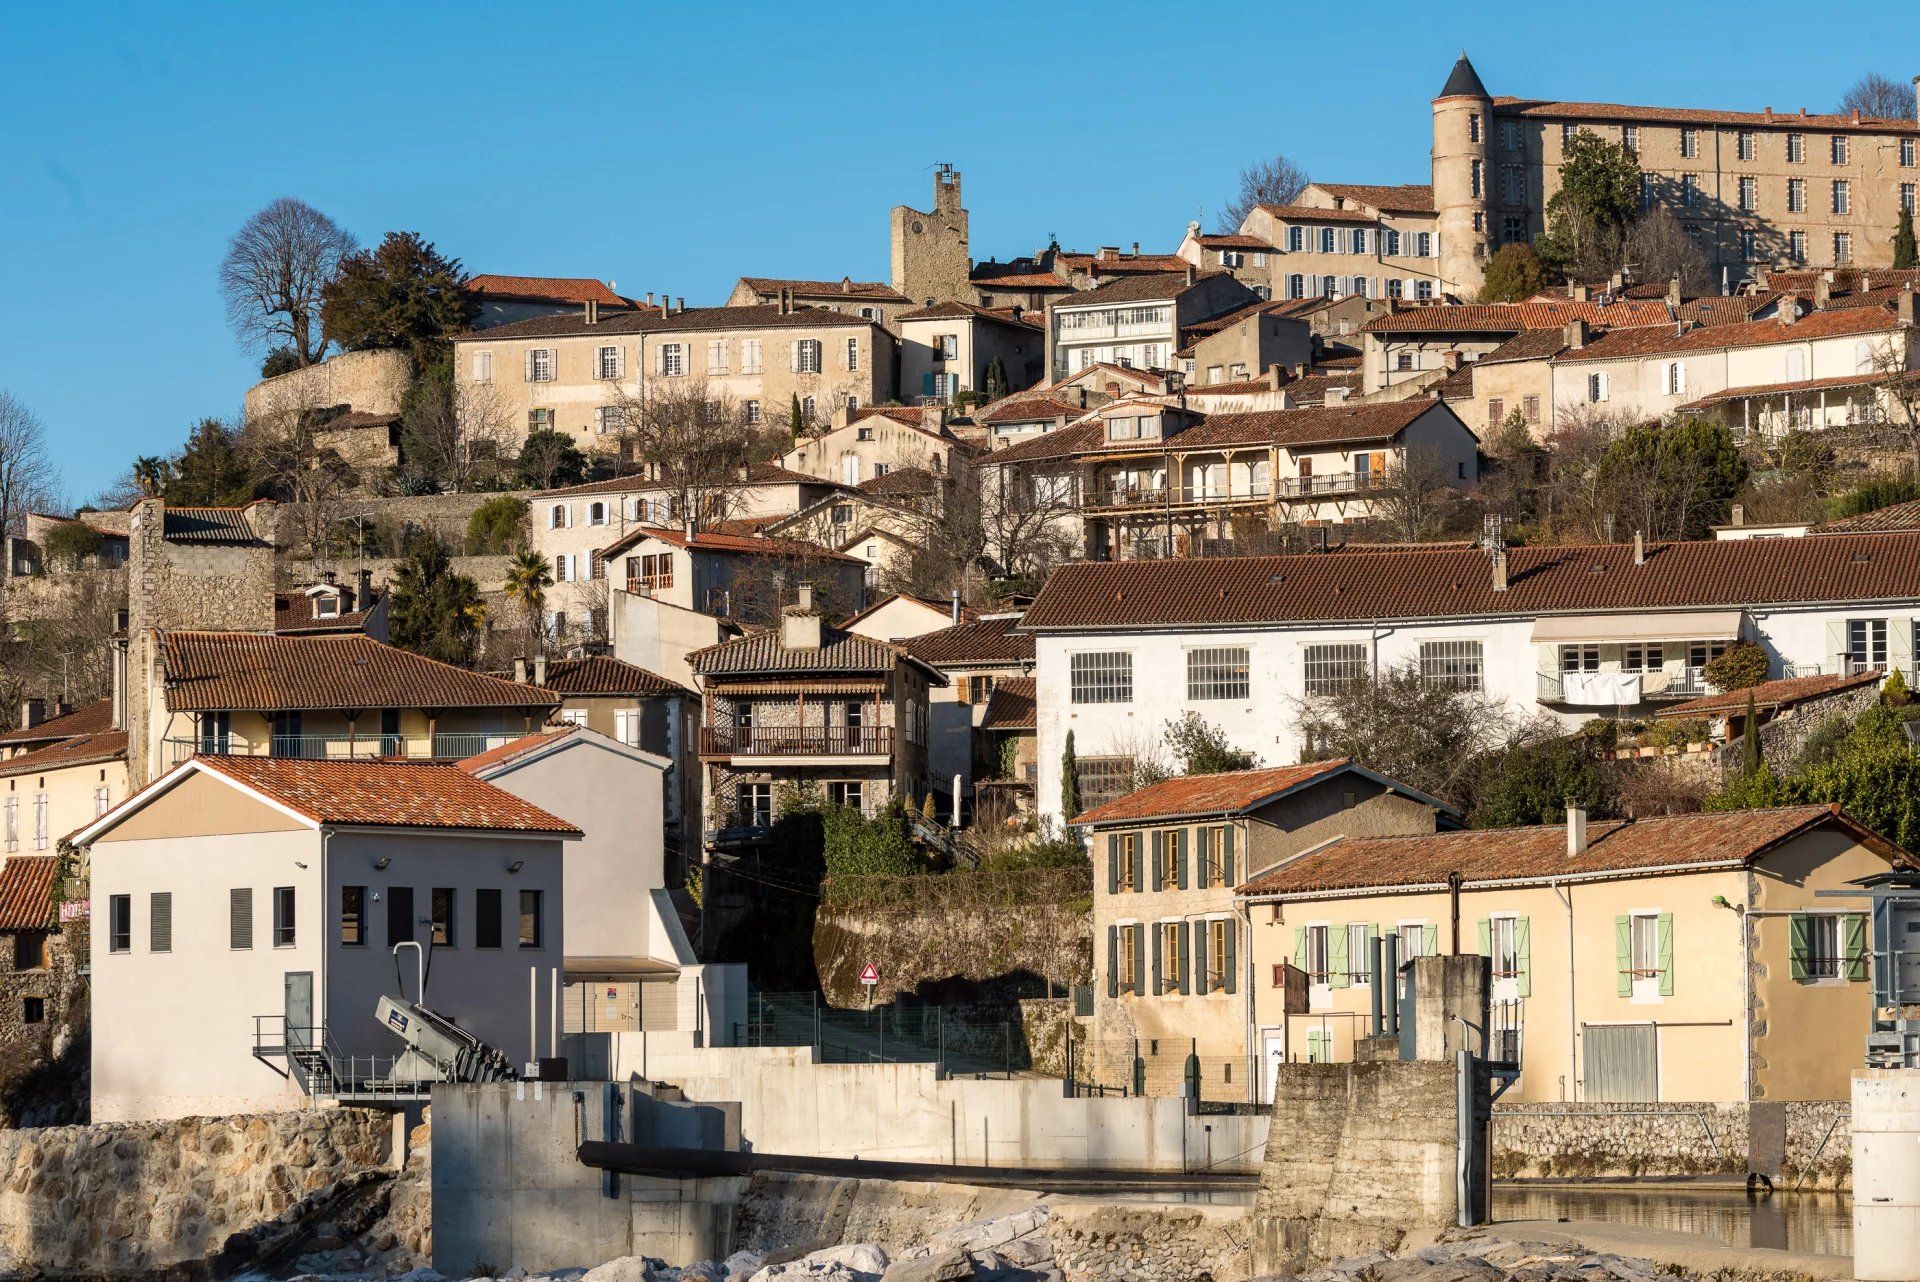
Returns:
<point x="502" y="300"/>
<point x="868" y="299"/>
<point x="1344" y="240"/>
<point x="931" y="260"/>
<point x="371" y="382"/>
<point x="949" y="348"/>
<point x="975" y="656"/>
<point x="37" y="965"/>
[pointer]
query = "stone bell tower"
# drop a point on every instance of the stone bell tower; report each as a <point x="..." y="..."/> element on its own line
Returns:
<point x="931" y="261"/>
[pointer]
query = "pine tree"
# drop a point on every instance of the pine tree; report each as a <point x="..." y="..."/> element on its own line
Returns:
<point x="996" y="379"/>
<point x="793" y="419"/>
<point x="1905" y="254"/>
<point x="1069" y="782"/>
<point x="1750" y="740"/>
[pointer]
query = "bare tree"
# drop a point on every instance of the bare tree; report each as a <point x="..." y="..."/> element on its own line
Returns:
<point x="1881" y="96"/>
<point x="1417" y="501"/>
<point x="1277" y="180"/>
<point x="282" y="446"/>
<point x="1897" y="386"/>
<point x="454" y="436"/>
<point x="1028" y="516"/>
<point x="28" y="478"/>
<point x="695" y="444"/>
<point x="1657" y="249"/>
<point x="272" y="274"/>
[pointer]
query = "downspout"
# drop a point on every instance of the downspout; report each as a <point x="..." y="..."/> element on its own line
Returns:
<point x="323" y="997"/>
<point x="1453" y="912"/>
<point x="1573" y="1000"/>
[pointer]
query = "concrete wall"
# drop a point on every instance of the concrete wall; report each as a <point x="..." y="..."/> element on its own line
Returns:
<point x="107" y="1201"/>
<point x="901" y="1112"/>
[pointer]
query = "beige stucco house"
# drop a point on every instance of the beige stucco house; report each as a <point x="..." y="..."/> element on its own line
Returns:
<point x="59" y="773"/>
<point x="950" y="348"/>
<point x="1691" y="957"/>
<point x="243" y="908"/>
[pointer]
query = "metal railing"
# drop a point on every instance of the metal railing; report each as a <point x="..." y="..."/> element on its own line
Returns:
<point x="906" y="1030"/>
<point x="1681" y="683"/>
<point x="339" y="747"/>
<point x="1299" y="487"/>
<point x="314" y="1062"/>
<point x="1178" y="495"/>
<point x="818" y="741"/>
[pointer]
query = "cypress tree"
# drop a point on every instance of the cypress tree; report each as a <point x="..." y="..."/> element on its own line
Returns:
<point x="1750" y="740"/>
<point x="1069" y="782"/>
<point x="1905" y="254"/>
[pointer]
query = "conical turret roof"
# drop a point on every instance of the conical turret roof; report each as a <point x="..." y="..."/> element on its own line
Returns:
<point x="1464" y="81"/>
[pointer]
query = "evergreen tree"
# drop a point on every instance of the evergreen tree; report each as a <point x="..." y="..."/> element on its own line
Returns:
<point x="403" y="294"/>
<point x="1587" y="219"/>
<point x="548" y="459"/>
<point x="1905" y="254"/>
<point x="434" y="611"/>
<point x="1513" y="273"/>
<point x="211" y="471"/>
<point x="996" y="379"/>
<point x="794" y="422"/>
<point x="1069" y="781"/>
<point x="1750" y="740"/>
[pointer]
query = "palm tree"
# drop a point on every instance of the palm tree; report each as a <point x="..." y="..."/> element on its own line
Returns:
<point x="529" y="575"/>
<point x="150" y="474"/>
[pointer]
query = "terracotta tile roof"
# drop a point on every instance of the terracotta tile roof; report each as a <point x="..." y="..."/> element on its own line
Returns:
<point x="214" y="671"/>
<point x="1061" y="443"/>
<point x="293" y="613"/>
<point x="1483" y="855"/>
<point x="987" y="641"/>
<point x="1027" y="409"/>
<point x="1307" y="391"/>
<point x="1327" y="424"/>
<point x="1610" y="111"/>
<point x="1736" y="309"/>
<point x="1147" y="287"/>
<point x="1783" y="693"/>
<point x="943" y="608"/>
<point x="1458" y="386"/>
<point x="839" y="652"/>
<point x="81" y="750"/>
<point x="88" y="718"/>
<point x="746" y="526"/>
<point x="388" y="793"/>
<point x="969" y="311"/>
<point x="1013" y="705"/>
<point x="480" y="762"/>
<point x="871" y="290"/>
<point x="1233" y="240"/>
<point x="1104" y="263"/>
<point x="1401" y="198"/>
<point x="1843" y="278"/>
<point x="731" y="544"/>
<point x="649" y="320"/>
<point x="1658" y="340"/>
<point x="1514" y="317"/>
<point x="1895" y="516"/>
<point x="1232" y="793"/>
<point x="905" y="415"/>
<point x="985" y="279"/>
<point x="1527" y="345"/>
<point x="1837" y="383"/>
<point x="1107" y="369"/>
<point x="1311" y="214"/>
<point x="1456" y="582"/>
<point x="604" y="674"/>
<point x="758" y="474"/>
<point x="210" y="525"/>
<point x="545" y="289"/>
<point x="901" y="482"/>
<point x="26" y="892"/>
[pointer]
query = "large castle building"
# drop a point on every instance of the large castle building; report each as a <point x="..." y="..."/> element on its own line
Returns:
<point x="1756" y="189"/>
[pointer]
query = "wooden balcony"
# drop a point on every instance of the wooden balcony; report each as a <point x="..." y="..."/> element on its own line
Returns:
<point x="648" y="584"/>
<point x="796" y="741"/>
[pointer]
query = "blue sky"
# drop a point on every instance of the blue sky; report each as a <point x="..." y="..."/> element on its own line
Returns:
<point x="679" y="147"/>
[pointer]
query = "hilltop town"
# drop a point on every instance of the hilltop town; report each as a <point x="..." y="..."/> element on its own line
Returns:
<point x="1097" y="763"/>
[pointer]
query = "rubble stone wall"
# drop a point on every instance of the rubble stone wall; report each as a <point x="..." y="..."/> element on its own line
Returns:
<point x="1548" y="1140"/>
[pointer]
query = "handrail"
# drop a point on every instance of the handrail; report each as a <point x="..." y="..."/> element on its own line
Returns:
<point x="833" y="741"/>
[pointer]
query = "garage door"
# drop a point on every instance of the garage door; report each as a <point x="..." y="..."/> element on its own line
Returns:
<point x="1619" y="1063"/>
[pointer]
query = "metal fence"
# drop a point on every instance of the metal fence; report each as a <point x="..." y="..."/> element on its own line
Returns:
<point x="959" y="1041"/>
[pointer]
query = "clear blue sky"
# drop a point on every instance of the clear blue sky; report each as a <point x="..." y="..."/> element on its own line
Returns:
<point x="677" y="147"/>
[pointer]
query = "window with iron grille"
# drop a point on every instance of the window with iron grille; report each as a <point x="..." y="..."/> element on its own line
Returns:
<point x="1102" y="676"/>
<point x="1454" y="663"/>
<point x="1842" y="196"/>
<point x="1744" y="144"/>
<point x="1104" y="779"/>
<point x="1839" y="149"/>
<point x="1332" y="668"/>
<point x="1218" y="672"/>
<point x="1689" y="143"/>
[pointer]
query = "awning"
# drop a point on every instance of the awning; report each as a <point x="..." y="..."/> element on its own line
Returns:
<point x="618" y="970"/>
<point x="1681" y="625"/>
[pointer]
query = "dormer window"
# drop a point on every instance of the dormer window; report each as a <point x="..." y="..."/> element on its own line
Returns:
<point x="326" y="606"/>
<point x="1123" y="429"/>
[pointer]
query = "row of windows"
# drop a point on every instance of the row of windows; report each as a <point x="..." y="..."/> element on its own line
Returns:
<point x="1224" y="672"/>
<point x="1673" y="374"/>
<point x="1172" y="859"/>
<point x="355" y="901"/>
<point x="1746" y="142"/>
<point x="1189" y="958"/>
<point x="1389" y="242"/>
<point x="673" y="360"/>
<point x="1303" y="286"/>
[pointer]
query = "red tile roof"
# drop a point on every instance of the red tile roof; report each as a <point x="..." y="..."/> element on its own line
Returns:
<point x="1146" y="287"/>
<point x="1837" y="382"/>
<point x="1326" y="424"/>
<point x="389" y="793"/>
<point x="81" y="750"/>
<point x="603" y="674"/>
<point x="26" y="892"/>
<point x="480" y="762"/>
<point x="1232" y="240"/>
<point x="1456" y="582"/>
<point x="1611" y="111"/>
<point x="1527" y="345"/>
<point x="872" y="290"/>
<point x="1401" y="198"/>
<point x="1492" y="855"/>
<point x="985" y="641"/>
<point x="734" y="544"/>
<point x="1027" y="409"/>
<point x="1012" y="706"/>
<point x="839" y="652"/>
<point x="1659" y="340"/>
<point x="214" y="671"/>
<point x="1783" y="693"/>
<point x="293" y="613"/>
<point x="88" y="718"/>
<point x="1019" y="280"/>
<point x="1514" y="317"/>
<point x="651" y="320"/>
<point x="1310" y="213"/>
<point x="545" y="289"/>
<point x="1232" y="793"/>
<point x="1896" y="516"/>
<point x="969" y="311"/>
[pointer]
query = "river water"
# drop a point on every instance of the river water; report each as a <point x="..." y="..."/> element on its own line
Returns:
<point x="1817" y="1222"/>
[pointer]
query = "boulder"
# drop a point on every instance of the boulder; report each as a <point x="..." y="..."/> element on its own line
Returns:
<point x="704" y="1271"/>
<point x="628" y="1268"/>
<point x="859" y="1257"/>
<point x="946" y="1264"/>
<point x="742" y="1264"/>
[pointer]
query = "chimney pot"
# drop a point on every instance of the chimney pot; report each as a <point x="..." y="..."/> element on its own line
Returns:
<point x="540" y="669"/>
<point x="679" y="302"/>
<point x="1498" y="556"/>
<point x="1903" y="306"/>
<point x="363" y="588"/>
<point x="520" y="668"/>
<point x="1576" y="831"/>
<point x="1192" y="274"/>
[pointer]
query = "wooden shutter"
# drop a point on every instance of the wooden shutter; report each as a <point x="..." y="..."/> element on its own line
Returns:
<point x="1300" y="948"/>
<point x="1113" y="961"/>
<point x="1113" y="863"/>
<point x="1180" y="858"/>
<point x="1623" y="956"/>
<point x="1182" y="937"/>
<point x="1159" y="968"/>
<point x="526" y="366"/>
<point x="1853" y="929"/>
<point x="793" y="356"/>
<point x="1160" y="878"/>
<point x="1135" y="852"/>
<point x="240" y="918"/>
<point x="160" y="922"/>
<point x="1337" y="960"/>
<point x="1139" y="960"/>
<point x="1663" y="937"/>
<point x="1230" y="978"/>
<point x="1523" y="956"/>
<point x="1202" y="872"/>
<point x="1485" y="927"/>
<point x="1229" y="874"/>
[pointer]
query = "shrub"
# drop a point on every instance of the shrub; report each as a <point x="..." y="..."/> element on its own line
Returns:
<point x="1739" y="666"/>
<point x="69" y="543"/>
<point x="1894" y="694"/>
<point x="496" y="526"/>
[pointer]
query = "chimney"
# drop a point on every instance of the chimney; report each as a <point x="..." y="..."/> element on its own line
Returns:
<point x="1903" y="306"/>
<point x="363" y="589"/>
<point x="1451" y="361"/>
<point x="1639" y="548"/>
<point x="679" y="302"/>
<point x="118" y="653"/>
<point x="1579" y="293"/>
<point x="1192" y="273"/>
<point x="1789" y="309"/>
<point x="1136" y="249"/>
<point x="1916" y="97"/>
<point x="799" y="625"/>
<point x="520" y="668"/>
<point x="540" y="669"/>
<point x="1822" y="293"/>
<point x="1338" y="395"/>
<point x="1275" y="376"/>
<point x="63" y="708"/>
<point x="32" y="713"/>
<point x="1109" y="251"/>
<point x="1299" y="370"/>
<point x="956" y="607"/>
<point x="786" y="301"/>
<point x="593" y="311"/>
<point x="1576" y="830"/>
<point x="649" y="298"/>
<point x="1673" y="293"/>
<point x="1499" y="558"/>
<point x="1577" y="333"/>
<point x="1737" y="514"/>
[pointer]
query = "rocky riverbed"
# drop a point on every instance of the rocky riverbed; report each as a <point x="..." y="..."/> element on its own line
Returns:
<point x="1021" y="1248"/>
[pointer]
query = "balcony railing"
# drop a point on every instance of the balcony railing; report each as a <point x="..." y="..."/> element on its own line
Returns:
<point x="340" y="747"/>
<point x="647" y="584"/>
<point x="1178" y="496"/>
<point x="800" y="741"/>
<point x="1671" y="684"/>
<point x="1301" y="487"/>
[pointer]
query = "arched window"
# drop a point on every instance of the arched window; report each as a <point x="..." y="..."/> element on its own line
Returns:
<point x="559" y="518"/>
<point x="596" y="513"/>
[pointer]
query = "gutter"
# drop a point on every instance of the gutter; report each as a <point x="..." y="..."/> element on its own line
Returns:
<point x="1429" y="888"/>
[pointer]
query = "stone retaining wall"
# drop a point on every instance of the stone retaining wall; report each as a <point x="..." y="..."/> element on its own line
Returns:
<point x="127" y="1198"/>
<point x="1550" y="1141"/>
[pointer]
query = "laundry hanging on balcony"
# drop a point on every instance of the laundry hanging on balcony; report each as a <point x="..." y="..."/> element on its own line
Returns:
<point x="1600" y="689"/>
